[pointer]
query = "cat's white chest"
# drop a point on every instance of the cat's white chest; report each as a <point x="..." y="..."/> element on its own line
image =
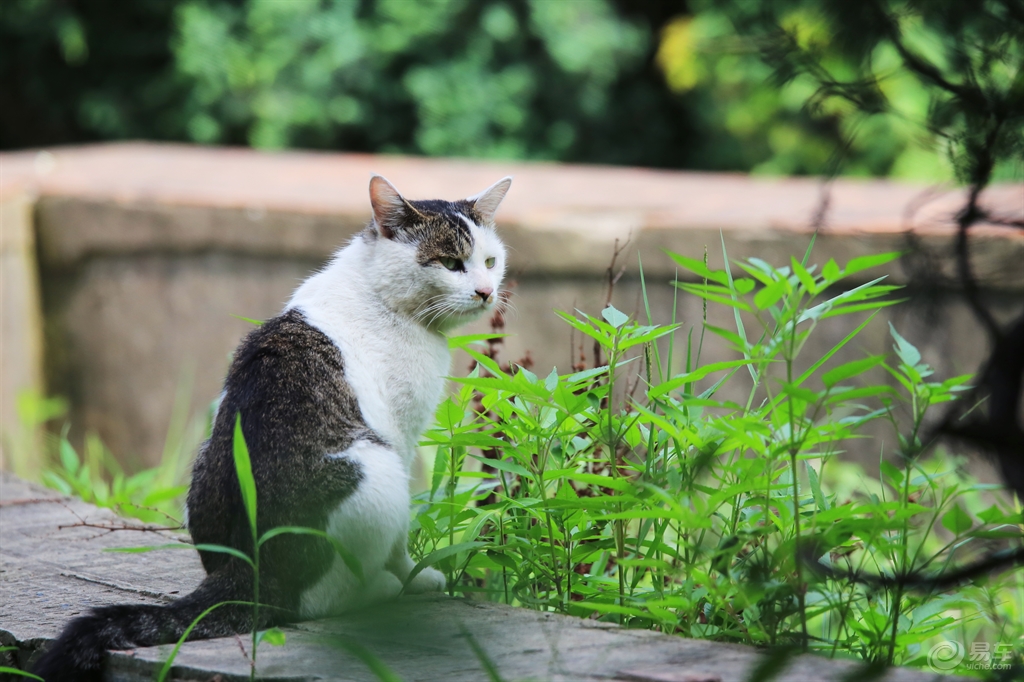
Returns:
<point x="395" y="368"/>
<point x="399" y="383"/>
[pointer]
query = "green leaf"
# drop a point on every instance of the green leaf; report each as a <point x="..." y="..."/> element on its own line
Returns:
<point x="957" y="521"/>
<point x="698" y="290"/>
<point x="819" y="498"/>
<point x="68" y="457"/>
<point x="614" y="317"/>
<point x="379" y="669"/>
<point x="202" y="547"/>
<point x="273" y="637"/>
<point x="994" y="515"/>
<point x="443" y="553"/>
<point x="440" y="469"/>
<point x="805" y="277"/>
<point x="166" y="669"/>
<point x="350" y="559"/>
<point x="769" y="295"/>
<point x="850" y="369"/>
<point x="486" y="361"/>
<point x="551" y="382"/>
<point x="849" y="337"/>
<point x="581" y="326"/>
<point x="20" y="673"/>
<point x="502" y="559"/>
<point x="620" y="484"/>
<point x="743" y="285"/>
<point x="866" y="262"/>
<point x="831" y="271"/>
<point x="247" y="319"/>
<point x="471" y="339"/>
<point x="795" y="391"/>
<point x="906" y="351"/>
<point x="696" y="375"/>
<point x="449" y="415"/>
<point x="243" y="467"/>
<point x="503" y="465"/>
<point x="698" y="268"/>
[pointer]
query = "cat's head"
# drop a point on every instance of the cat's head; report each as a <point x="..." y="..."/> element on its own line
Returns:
<point x="438" y="261"/>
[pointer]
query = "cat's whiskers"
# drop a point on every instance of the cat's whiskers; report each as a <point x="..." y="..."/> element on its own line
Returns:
<point x="431" y="304"/>
<point x="507" y="308"/>
<point x="433" y="308"/>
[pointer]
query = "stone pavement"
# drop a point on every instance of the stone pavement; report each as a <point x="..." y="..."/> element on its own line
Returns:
<point x="50" y="572"/>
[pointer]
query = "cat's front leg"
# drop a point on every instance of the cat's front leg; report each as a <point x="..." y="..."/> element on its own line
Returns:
<point x="401" y="564"/>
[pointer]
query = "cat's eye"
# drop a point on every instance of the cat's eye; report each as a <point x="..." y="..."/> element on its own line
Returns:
<point x="451" y="263"/>
<point x="489" y="262"/>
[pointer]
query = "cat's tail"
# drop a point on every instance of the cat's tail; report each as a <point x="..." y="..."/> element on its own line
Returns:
<point x="77" y="655"/>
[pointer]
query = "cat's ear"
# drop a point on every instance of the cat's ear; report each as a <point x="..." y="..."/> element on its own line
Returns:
<point x="486" y="202"/>
<point x="389" y="207"/>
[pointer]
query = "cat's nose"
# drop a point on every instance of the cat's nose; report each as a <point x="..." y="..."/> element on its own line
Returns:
<point x="484" y="294"/>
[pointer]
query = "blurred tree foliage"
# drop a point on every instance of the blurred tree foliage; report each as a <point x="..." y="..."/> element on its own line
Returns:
<point x="906" y="88"/>
<point x="648" y="82"/>
<point x="513" y="79"/>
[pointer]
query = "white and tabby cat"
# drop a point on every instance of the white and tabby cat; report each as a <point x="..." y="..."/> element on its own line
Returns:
<point x="333" y="394"/>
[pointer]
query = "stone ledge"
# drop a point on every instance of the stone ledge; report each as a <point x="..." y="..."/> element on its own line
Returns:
<point x="48" y="575"/>
<point x="558" y="219"/>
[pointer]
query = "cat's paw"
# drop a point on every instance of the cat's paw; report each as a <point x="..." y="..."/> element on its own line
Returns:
<point x="383" y="587"/>
<point x="427" y="580"/>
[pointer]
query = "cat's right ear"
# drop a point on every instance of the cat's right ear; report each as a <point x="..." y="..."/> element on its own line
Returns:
<point x="389" y="207"/>
<point x="486" y="202"/>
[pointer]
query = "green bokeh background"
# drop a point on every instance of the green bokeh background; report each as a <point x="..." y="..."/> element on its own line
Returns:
<point x="642" y="82"/>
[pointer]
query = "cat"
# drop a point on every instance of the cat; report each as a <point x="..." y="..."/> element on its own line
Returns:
<point x="332" y="396"/>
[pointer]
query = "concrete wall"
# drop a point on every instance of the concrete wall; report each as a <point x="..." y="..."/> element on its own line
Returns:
<point x="146" y="252"/>
<point x="21" y="337"/>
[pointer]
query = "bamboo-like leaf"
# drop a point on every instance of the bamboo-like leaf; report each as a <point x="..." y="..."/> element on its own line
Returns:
<point x="471" y="339"/>
<point x="957" y="521"/>
<point x="850" y="369"/>
<point x="243" y="467"/>
<point x="866" y="262"/>
<point x="825" y="358"/>
<point x="698" y="268"/>
<point x="819" y="497"/>
<point x="443" y="553"/>
<point x="699" y="291"/>
<point x="503" y="465"/>
<point x="247" y="319"/>
<point x="696" y="375"/>
<point x="906" y="351"/>
<point x="378" y="667"/>
<point x="805" y="277"/>
<point x="166" y="669"/>
<point x="614" y="317"/>
<point x="202" y="547"/>
<point x="769" y="295"/>
<point x="440" y="469"/>
<point x="350" y="559"/>
<point x="273" y="637"/>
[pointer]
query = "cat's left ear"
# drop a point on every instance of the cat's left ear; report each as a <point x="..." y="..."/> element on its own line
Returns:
<point x="389" y="207"/>
<point x="486" y="202"/>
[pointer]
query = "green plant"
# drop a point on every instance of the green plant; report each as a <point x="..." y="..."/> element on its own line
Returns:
<point x="636" y="492"/>
<point x="152" y="495"/>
